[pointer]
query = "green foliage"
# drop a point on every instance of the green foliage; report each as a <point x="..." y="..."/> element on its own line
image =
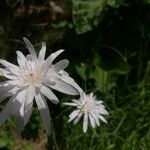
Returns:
<point x="104" y="81"/>
<point x="87" y="14"/>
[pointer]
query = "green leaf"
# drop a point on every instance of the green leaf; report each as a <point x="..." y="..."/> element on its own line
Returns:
<point x="81" y="70"/>
<point x="104" y="80"/>
<point x="87" y="13"/>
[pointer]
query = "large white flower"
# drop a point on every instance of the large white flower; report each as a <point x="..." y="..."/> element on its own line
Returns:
<point x="91" y="108"/>
<point x="33" y="79"/>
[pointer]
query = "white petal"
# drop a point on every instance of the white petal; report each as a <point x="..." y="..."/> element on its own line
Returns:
<point x="7" y="64"/>
<point x="28" y="104"/>
<point x="14" y="82"/>
<point x="13" y="68"/>
<point x="70" y="81"/>
<point x="19" y="119"/>
<point x="101" y="111"/>
<point x="21" y="59"/>
<point x="70" y="104"/>
<point x="49" y="94"/>
<point x="77" y="118"/>
<point x="91" y="95"/>
<point x="44" y="112"/>
<point x="51" y="58"/>
<point x="95" y="118"/>
<point x="77" y="102"/>
<point x="102" y="118"/>
<point x="85" y="122"/>
<point x="5" y="91"/>
<point x="64" y="73"/>
<point x="61" y="65"/>
<point x="27" y="112"/>
<point x="30" y="48"/>
<point x="7" y="74"/>
<point x="73" y="115"/>
<point x="42" y="52"/>
<point x="63" y="87"/>
<point x="11" y="108"/>
<point x="92" y="121"/>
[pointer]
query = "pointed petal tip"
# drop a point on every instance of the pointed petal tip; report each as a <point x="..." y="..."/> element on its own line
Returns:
<point x="25" y="39"/>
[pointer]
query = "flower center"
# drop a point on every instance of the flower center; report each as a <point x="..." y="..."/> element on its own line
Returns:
<point x="88" y="105"/>
<point x="32" y="75"/>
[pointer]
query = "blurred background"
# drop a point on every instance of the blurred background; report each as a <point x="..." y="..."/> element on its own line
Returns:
<point x="108" y="45"/>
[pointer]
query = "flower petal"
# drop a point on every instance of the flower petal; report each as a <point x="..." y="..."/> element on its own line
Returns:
<point x="92" y="121"/>
<point x="102" y="118"/>
<point x="21" y="59"/>
<point x="70" y="81"/>
<point x="49" y="94"/>
<point x="6" y="91"/>
<point x="70" y="104"/>
<point x="13" y="68"/>
<point x="27" y="112"/>
<point x="42" y="52"/>
<point x="30" y="48"/>
<point x="51" y="58"/>
<point x="44" y="112"/>
<point x="78" y="118"/>
<point x="19" y="119"/>
<point x="11" y="108"/>
<point x="7" y="74"/>
<point x="63" y="87"/>
<point x="85" y="122"/>
<point x="28" y="104"/>
<point x="61" y="65"/>
<point x="73" y="115"/>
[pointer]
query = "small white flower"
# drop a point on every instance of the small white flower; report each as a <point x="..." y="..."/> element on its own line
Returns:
<point x="34" y="78"/>
<point x="91" y="108"/>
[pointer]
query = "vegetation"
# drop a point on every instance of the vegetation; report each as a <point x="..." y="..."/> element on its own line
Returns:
<point x="108" y="45"/>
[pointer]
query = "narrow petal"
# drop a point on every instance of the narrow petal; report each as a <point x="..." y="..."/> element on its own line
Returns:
<point x="95" y="118"/>
<point x="30" y="48"/>
<point x="70" y="81"/>
<point x="42" y="52"/>
<point x="7" y="64"/>
<point x="11" y="108"/>
<point x="102" y="118"/>
<point x="63" y="73"/>
<point x="78" y="118"/>
<point x="27" y="112"/>
<point x="85" y="122"/>
<point x="21" y="59"/>
<point x="61" y="65"/>
<point x="6" y="91"/>
<point x="7" y="74"/>
<point x="73" y="115"/>
<point x="101" y="111"/>
<point x="44" y="112"/>
<point x="28" y="104"/>
<point x="77" y="102"/>
<point x="49" y="94"/>
<point x="63" y="87"/>
<point x="51" y="58"/>
<point x="92" y="121"/>
<point x="70" y="104"/>
<point x="13" y="68"/>
<point x="19" y="119"/>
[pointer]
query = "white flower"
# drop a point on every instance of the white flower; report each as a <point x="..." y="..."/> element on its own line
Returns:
<point x="33" y="79"/>
<point x="91" y="108"/>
